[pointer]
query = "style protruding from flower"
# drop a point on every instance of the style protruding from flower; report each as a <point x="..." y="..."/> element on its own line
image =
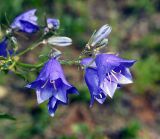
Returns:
<point x="51" y="84"/>
<point x="26" y="22"/>
<point x="104" y="74"/>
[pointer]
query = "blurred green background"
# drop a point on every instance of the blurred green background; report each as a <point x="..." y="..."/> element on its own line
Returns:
<point x="133" y="113"/>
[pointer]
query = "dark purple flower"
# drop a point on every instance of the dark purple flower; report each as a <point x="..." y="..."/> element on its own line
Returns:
<point x="26" y="22"/>
<point x="110" y="71"/>
<point x="51" y="84"/>
<point x="92" y="82"/>
<point x="3" y="48"/>
<point x="53" y="23"/>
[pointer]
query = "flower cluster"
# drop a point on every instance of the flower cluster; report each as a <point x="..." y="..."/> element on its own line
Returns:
<point x="104" y="72"/>
<point x="26" y="23"/>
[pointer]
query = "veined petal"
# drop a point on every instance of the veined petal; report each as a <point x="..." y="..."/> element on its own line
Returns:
<point x="28" y="27"/>
<point x="43" y="94"/>
<point x="89" y="62"/>
<point x="101" y="100"/>
<point x="61" y="95"/>
<point x="36" y="84"/>
<point x="123" y="75"/>
<point x="123" y="79"/>
<point x="53" y="105"/>
<point x="108" y="87"/>
<point x="92" y="82"/>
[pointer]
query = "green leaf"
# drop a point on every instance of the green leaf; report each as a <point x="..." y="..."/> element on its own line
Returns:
<point x="6" y="116"/>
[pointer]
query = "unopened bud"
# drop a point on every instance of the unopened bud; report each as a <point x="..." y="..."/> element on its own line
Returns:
<point x="59" y="41"/>
<point x="101" y="34"/>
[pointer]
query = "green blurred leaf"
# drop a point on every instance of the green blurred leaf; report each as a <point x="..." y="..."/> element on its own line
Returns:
<point x="6" y="116"/>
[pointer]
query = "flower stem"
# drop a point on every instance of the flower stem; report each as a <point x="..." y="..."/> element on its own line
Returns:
<point x="63" y="62"/>
<point x="69" y="62"/>
<point x="29" y="48"/>
<point x="29" y="65"/>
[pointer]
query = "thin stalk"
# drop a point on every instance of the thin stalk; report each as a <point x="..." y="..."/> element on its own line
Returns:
<point x="29" y="48"/>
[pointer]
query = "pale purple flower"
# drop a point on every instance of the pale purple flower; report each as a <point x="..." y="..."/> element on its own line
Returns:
<point x="51" y="84"/>
<point x="53" y="23"/>
<point x="26" y="22"/>
<point x="110" y="71"/>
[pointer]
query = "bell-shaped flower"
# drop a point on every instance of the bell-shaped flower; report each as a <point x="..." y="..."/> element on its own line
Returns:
<point x="51" y="84"/>
<point x="53" y="23"/>
<point x="112" y="71"/>
<point x="3" y="48"/>
<point x="92" y="81"/>
<point x="26" y="22"/>
<point x="4" y="51"/>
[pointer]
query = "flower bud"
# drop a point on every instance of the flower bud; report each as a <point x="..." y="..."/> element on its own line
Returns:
<point x="103" y="43"/>
<point x="59" y="41"/>
<point x="53" y="23"/>
<point x="101" y="34"/>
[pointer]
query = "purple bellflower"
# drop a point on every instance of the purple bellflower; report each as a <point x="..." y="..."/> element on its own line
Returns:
<point x="92" y="81"/>
<point x="104" y="74"/>
<point x="3" y="48"/>
<point x="51" y="84"/>
<point x="26" y="22"/>
<point x="53" y="23"/>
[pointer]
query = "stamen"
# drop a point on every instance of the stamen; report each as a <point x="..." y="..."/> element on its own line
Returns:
<point x="116" y="72"/>
<point x="114" y="76"/>
<point x="100" y="95"/>
<point x="45" y="84"/>
<point x="54" y="85"/>
<point x="109" y="78"/>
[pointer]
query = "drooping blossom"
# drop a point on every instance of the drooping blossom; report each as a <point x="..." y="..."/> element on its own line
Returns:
<point x="92" y="82"/>
<point x="110" y="71"/>
<point x="51" y="84"/>
<point x="26" y="22"/>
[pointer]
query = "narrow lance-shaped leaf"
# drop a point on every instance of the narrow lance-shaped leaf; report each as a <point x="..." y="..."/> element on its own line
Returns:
<point x="6" y="116"/>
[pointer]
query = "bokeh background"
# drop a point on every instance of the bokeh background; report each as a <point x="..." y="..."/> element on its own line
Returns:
<point x="134" y="111"/>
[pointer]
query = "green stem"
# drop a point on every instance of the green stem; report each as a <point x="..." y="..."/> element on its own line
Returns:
<point x="29" y="65"/>
<point x="69" y="62"/>
<point x="29" y="48"/>
<point x="63" y="62"/>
